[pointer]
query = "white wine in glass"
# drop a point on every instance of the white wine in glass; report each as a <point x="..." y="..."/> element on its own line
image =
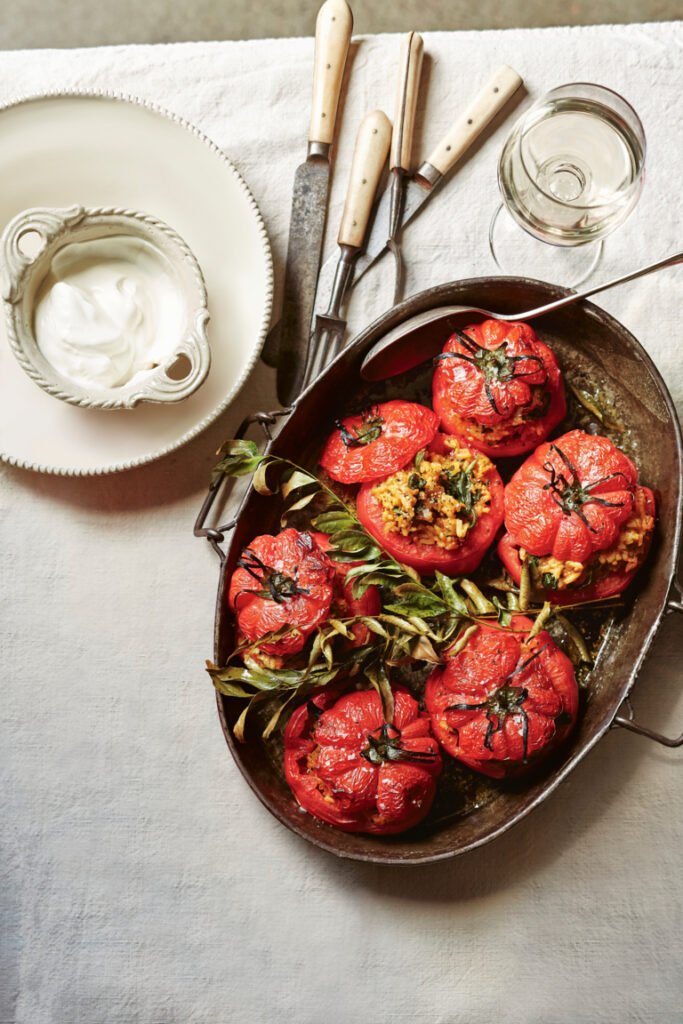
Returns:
<point x="571" y="171"/>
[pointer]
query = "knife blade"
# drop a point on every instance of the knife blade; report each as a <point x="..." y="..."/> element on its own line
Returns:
<point x="369" y="157"/>
<point x="309" y="198"/>
<point x="467" y="127"/>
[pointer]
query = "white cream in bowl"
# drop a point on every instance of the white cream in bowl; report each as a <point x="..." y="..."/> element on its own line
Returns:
<point x="108" y="310"/>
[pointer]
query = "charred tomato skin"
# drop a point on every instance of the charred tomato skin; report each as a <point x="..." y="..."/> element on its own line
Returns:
<point x="343" y="602"/>
<point x="504" y="702"/>
<point x="401" y="429"/>
<point x="461" y="391"/>
<point x="570" y="498"/>
<point x="600" y="590"/>
<point x="308" y="586"/>
<point x="325" y="767"/>
<point x="426" y="558"/>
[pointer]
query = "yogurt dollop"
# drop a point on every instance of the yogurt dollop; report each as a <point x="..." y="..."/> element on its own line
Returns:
<point x="108" y="311"/>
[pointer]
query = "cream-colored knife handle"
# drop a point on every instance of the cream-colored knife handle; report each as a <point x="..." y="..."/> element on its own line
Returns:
<point x="410" y="67"/>
<point x="332" y="37"/>
<point x="369" y="157"/>
<point x="486" y="104"/>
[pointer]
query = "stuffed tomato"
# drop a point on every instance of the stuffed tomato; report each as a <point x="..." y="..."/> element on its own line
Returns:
<point x="347" y="767"/>
<point x="441" y="512"/>
<point x="505" y="701"/>
<point x="499" y="386"/>
<point x="378" y="441"/>
<point x="282" y="584"/>
<point x="576" y="515"/>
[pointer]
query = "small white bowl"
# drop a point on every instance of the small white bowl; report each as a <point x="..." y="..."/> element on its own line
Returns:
<point x="185" y="365"/>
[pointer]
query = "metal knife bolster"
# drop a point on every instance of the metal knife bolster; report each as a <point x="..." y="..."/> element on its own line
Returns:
<point x="319" y="150"/>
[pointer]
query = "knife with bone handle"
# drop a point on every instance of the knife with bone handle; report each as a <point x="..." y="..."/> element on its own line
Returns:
<point x="309" y="198"/>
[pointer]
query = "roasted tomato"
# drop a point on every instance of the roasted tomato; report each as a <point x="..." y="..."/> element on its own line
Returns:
<point x="499" y="386"/>
<point x="348" y="768"/>
<point x="576" y="513"/>
<point x="281" y="581"/>
<point x="441" y="512"/>
<point x="379" y="441"/>
<point x="344" y="604"/>
<point x="504" y="701"/>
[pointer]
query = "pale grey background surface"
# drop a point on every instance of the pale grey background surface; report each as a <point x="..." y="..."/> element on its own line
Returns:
<point x="37" y="23"/>
<point x="142" y="882"/>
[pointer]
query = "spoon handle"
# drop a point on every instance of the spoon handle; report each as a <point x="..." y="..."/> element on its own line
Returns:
<point x="568" y="300"/>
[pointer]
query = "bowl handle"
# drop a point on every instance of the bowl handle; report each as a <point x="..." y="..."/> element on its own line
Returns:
<point x="216" y="534"/>
<point x="44" y="223"/>
<point x="184" y="373"/>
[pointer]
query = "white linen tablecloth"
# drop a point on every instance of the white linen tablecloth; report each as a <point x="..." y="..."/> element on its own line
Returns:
<point x="142" y="882"/>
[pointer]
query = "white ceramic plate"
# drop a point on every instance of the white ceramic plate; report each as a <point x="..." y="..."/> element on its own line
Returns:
<point x="101" y="150"/>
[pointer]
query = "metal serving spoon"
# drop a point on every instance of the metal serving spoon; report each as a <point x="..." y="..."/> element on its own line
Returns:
<point x="422" y="336"/>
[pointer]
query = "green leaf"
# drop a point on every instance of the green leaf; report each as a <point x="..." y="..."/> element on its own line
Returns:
<point x="482" y="605"/>
<point x="541" y="619"/>
<point x="275" y="717"/>
<point x="402" y="623"/>
<point x="524" y="581"/>
<point x="239" y="458"/>
<point x="355" y="553"/>
<point x="423" y="650"/>
<point x="355" y="540"/>
<point x="341" y="628"/>
<point x="260" y="482"/>
<point x="296" y="506"/>
<point x="411" y="599"/>
<point x="504" y="613"/>
<point x="377" y="675"/>
<point x="298" y="479"/>
<point x="378" y="574"/>
<point x="332" y="522"/>
<point x="462" y="640"/>
<point x="375" y="626"/>
<point x="575" y="638"/>
<point x="455" y="601"/>
<point x="231" y="689"/>
<point x="239" y="726"/>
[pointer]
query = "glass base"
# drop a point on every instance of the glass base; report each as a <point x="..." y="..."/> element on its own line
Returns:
<point x="518" y="253"/>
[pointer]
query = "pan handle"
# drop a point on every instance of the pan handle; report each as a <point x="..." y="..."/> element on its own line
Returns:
<point x="216" y="534"/>
<point x="642" y="730"/>
<point x="674" y="604"/>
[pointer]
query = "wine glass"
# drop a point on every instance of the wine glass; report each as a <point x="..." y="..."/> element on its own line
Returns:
<point x="571" y="171"/>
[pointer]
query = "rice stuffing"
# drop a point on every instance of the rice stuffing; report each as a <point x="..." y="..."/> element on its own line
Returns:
<point x="438" y="498"/>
